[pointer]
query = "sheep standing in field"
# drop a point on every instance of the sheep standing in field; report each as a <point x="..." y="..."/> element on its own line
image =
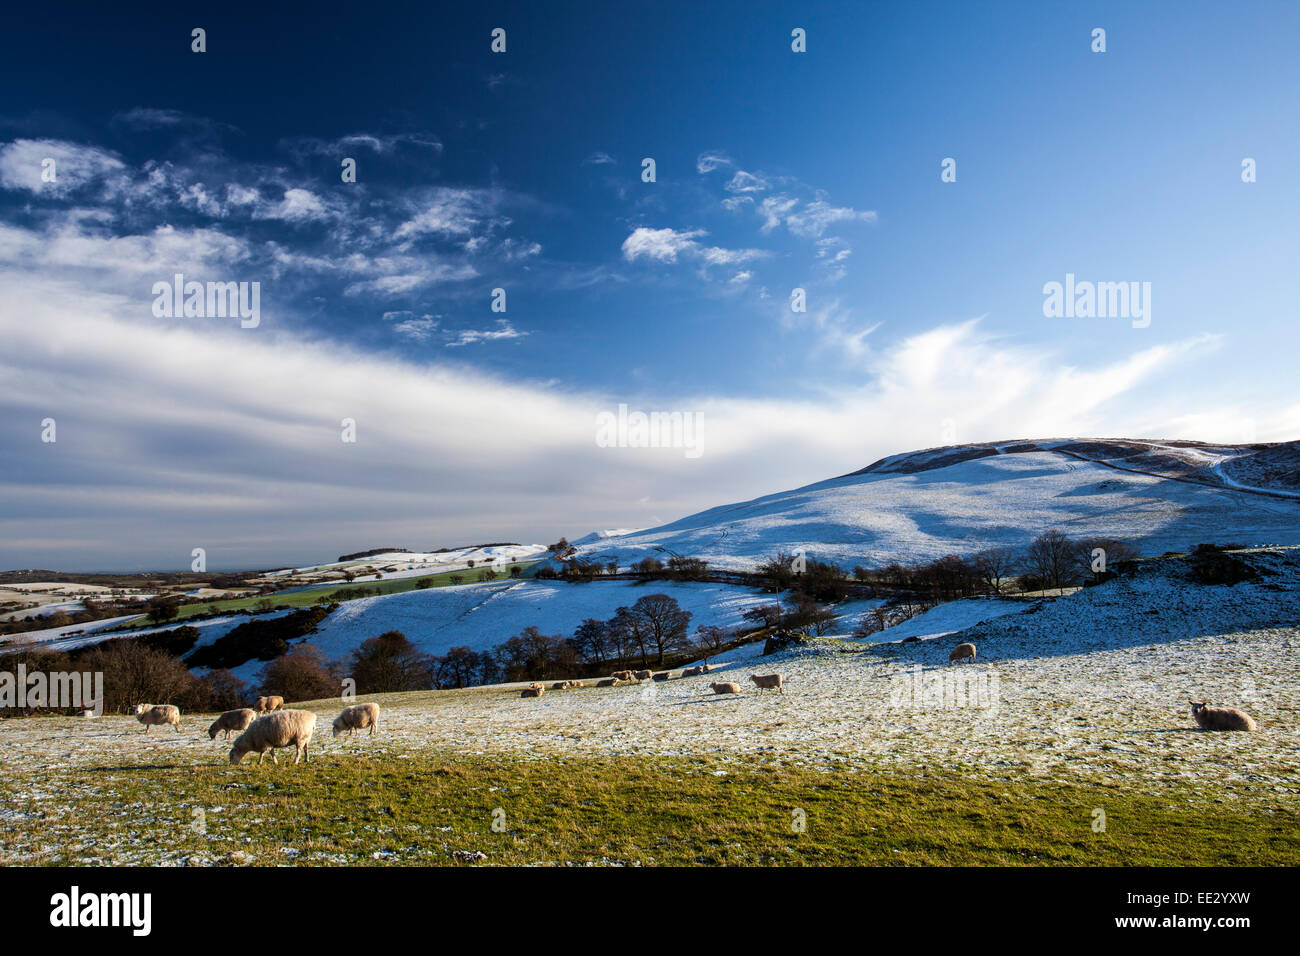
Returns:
<point x="642" y="675"/>
<point x="767" y="681"/>
<point x="150" y="714"/>
<point x="622" y="675"/>
<point x="357" y="717"/>
<point x="725" y="687"/>
<point x="532" y="692"/>
<point x="1221" y="718"/>
<point x="961" y="652"/>
<point x="267" y="704"/>
<point x="231" y="720"/>
<point x="284" y="728"/>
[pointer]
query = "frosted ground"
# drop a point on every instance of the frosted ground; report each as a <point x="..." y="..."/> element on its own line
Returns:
<point x="1092" y="686"/>
<point x="1004" y="499"/>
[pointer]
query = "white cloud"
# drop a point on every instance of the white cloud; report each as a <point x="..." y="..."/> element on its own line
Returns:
<point x="661" y="244"/>
<point x="503" y="331"/>
<point x="22" y="163"/>
<point x="665" y="245"/>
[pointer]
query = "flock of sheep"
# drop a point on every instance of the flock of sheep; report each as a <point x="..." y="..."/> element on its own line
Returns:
<point x="275" y="729"/>
<point x="279" y="728"/>
<point x="1206" y="717"/>
<point x="622" y="678"/>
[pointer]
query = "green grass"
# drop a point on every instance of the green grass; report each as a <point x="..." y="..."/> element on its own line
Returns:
<point x="317" y="595"/>
<point x="420" y="807"/>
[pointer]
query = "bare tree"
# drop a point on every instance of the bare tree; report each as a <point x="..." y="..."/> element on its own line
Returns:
<point x="995" y="565"/>
<point x="1051" y="558"/>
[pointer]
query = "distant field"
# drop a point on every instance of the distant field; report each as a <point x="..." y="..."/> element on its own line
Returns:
<point x="321" y="595"/>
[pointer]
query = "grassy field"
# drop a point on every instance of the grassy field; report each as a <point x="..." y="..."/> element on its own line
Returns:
<point x="366" y="806"/>
<point x="319" y="595"/>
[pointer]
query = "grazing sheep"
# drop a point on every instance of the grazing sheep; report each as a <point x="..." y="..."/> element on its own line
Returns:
<point x="532" y="692"/>
<point x="607" y="682"/>
<point x="663" y="675"/>
<point x="267" y="704"/>
<point x="725" y="687"/>
<point x="150" y="714"/>
<point x="357" y="717"/>
<point x="642" y="675"/>
<point x="622" y="675"/>
<point x="1221" y="718"/>
<point x="284" y="728"/>
<point x="767" y="681"/>
<point x="231" y="720"/>
<point x="961" y="652"/>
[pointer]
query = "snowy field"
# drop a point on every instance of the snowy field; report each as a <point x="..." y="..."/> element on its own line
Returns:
<point x="480" y="616"/>
<point x="1091" y="686"/>
<point x="875" y="518"/>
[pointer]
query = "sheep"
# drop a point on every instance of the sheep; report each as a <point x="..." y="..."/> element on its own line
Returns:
<point x="767" y="681"/>
<point x="693" y="672"/>
<point x="622" y="675"/>
<point x="642" y="675"/>
<point x="532" y="692"/>
<point x="150" y="714"/>
<point x="1221" y="718"/>
<point x="577" y="683"/>
<point x="357" y="717"/>
<point x="725" y="687"/>
<point x="607" y="682"/>
<point x="231" y="720"/>
<point x="537" y="685"/>
<point x="961" y="652"/>
<point x="663" y="675"/>
<point x="267" y="704"/>
<point x="284" y="728"/>
<point x="562" y="685"/>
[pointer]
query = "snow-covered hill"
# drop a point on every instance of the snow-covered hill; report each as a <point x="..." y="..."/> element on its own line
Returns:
<point x="1158" y="496"/>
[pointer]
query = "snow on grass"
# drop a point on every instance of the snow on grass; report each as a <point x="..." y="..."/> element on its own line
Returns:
<point x="948" y="617"/>
<point x="480" y="616"/>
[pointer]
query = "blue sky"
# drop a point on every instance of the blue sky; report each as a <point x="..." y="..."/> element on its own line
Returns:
<point x="522" y="171"/>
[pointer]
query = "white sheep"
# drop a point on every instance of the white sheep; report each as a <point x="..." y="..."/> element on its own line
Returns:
<point x="150" y="714"/>
<point x="642" y="675"/>
<point x="284" y="728"/>
<point x="961" y="652"/>
<point x="725" y="687"/>
<point x="231" y="720"/>
<point x="1221" y="718"/>
<point x="357" y="717"/>
<point x="767" y="681"/>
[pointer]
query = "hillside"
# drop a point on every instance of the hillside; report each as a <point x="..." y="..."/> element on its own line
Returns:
<point x="1158" y="496"/>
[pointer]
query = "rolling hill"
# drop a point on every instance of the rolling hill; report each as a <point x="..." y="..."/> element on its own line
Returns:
<point x="1156" y="495"/>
